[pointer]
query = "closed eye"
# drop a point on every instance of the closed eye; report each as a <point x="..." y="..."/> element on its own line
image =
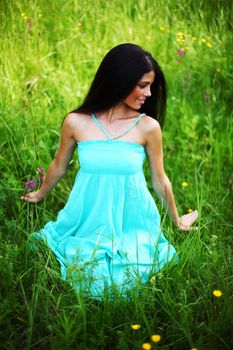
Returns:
<point x="142" y="85"/>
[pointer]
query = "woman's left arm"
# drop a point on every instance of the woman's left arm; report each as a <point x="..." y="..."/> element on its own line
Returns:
<point x="160" y="181"/>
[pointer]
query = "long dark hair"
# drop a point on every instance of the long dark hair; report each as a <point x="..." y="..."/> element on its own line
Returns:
<point x="118" y="74"/>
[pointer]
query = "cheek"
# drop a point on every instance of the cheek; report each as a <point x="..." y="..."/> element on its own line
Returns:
<point x="137" y="92"/>
<point x="134" y="94"/>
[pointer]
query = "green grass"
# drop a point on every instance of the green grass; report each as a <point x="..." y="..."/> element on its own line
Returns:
<point x="47" y="64"/>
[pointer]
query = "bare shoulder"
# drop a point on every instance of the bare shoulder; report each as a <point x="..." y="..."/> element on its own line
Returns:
<point x="77" y="122"/>
<point x="151" y="129"/>
<point x="75" y="119"/>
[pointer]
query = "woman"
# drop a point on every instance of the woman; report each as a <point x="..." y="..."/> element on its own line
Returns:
<point x="109" y="229"/>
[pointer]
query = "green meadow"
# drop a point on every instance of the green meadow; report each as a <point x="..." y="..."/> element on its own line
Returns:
<point x="49" y="52"/>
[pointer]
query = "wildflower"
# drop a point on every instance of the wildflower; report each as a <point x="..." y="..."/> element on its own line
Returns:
<point x="25" y="17"/>
<point x="179" y="39"/>
<point x="217" y="293"/>
<point x="156" y="338"/>
<point x="135" y="327"/>
<point x="29" y="185"/>
<point x="209" y="45"/>
<point x="181" y="52"/>
<point x="203" y="40"/>
<point x="184" y="184"/>
<point x="40" y="171"/>
<point x="180" y="34"/>
<point x="193" y="38"/>
<point x="146" y="346"/>
<point x="194" y="349"/>
<point x="190" y="210"/>
<point x="187" y="48"/>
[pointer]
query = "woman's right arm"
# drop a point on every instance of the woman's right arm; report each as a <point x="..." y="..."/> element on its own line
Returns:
<point x="160" y="182"/>
<point x="58" y="166"/>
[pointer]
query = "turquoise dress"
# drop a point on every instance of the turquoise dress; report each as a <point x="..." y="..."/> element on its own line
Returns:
<point x="108" y="234"/>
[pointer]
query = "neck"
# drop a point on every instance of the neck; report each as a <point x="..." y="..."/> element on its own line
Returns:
<point x="121" y="111"/>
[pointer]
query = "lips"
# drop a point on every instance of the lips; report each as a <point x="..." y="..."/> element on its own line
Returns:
<point x="141" y="101"/>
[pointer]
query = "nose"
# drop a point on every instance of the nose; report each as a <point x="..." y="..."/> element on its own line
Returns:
<point x="147" y="91"/>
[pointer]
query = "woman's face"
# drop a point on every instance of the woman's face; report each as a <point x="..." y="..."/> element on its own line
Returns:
<point x="141" y="91"/>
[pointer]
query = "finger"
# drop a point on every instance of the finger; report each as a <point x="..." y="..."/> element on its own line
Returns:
<point x="188" y="228"/>
<point x="27" y="198"/>
<point x="24" y="198"/>
<point x="194" y="214"/>
<point x="193" y="218"/>
<point x="185" y="229"/>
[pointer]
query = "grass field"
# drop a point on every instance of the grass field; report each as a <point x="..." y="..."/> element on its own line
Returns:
<point x="49" y="51"/>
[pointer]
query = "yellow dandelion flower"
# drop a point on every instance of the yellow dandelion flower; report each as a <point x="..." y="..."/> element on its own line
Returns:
<point x="217" y="293"/>
<point x="146" y="346"/>
<point x="135" y="327"/>
<point x="180" y="34"/>
<point x="193" y="38"/>
<point x="203" y="40"/>
<point x="187" y="48"/>
<point x="156" y="338"/>
<point x="209" y="45"/>
<point x="184" y="184"/>
<point x="190" y="210"/>
<point x="180" y="40"/>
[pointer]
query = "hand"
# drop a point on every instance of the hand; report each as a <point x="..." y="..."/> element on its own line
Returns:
<point x="32" y="197"/>
<point x="186" y="221"/>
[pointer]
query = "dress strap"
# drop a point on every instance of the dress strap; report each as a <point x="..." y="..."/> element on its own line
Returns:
<point x="123" y="133"/>
<point x="100" y="126"/>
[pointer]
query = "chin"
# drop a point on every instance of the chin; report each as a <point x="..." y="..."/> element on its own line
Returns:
<point x="137" y="107"/>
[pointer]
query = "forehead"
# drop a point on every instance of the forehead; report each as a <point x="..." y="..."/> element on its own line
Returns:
<point x="150" y="76"/>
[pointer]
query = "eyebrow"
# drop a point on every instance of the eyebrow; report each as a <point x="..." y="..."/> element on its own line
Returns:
<point x="145" y="81"/>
